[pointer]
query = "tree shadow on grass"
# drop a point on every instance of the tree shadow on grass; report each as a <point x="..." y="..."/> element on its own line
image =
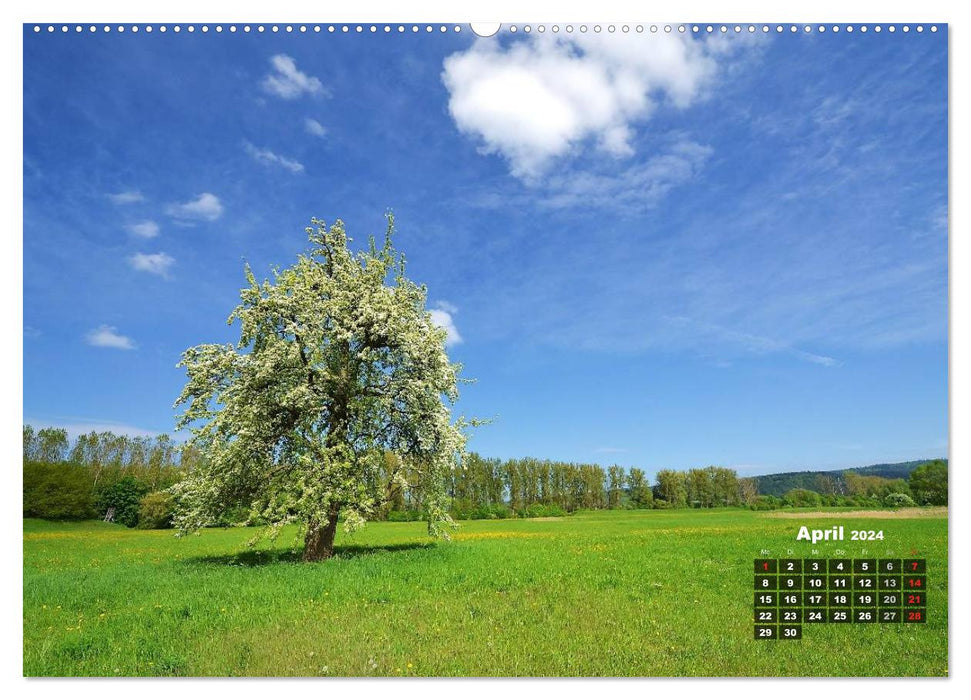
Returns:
<point x="266" y="557"/>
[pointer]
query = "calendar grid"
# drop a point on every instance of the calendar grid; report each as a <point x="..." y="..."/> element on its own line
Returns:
<point x="790" y="593"/>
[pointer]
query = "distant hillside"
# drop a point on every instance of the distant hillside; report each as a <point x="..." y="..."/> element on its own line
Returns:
<point x="830" y="481"/>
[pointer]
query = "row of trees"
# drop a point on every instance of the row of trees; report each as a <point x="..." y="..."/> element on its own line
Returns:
<point x="100" y="471"/>
<point x="926" y="485"/>
<point x="704" y="488"/>
<point x="69" y="480"/>
<point x="487" y="485"/>
<point x="103" y="469"/>
<point x="148" y="457"/>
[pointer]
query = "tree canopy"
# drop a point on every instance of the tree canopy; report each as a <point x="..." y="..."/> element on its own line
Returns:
<point x="338" y="369"/>
<point x="929" y="483"/>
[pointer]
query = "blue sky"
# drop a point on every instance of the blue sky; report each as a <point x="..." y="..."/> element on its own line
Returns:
<point x="657" y="251"/>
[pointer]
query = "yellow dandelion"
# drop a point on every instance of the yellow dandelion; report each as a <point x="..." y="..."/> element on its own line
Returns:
<point x="409" y="665"/>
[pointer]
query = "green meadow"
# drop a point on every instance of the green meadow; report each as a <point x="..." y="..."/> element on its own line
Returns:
<point x="607" y="593"/>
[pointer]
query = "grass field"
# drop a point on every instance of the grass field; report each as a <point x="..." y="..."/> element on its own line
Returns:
<point x="622" y="593"/>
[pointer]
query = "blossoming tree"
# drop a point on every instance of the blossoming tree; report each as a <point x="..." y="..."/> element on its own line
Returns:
<point x="338" y="367"/>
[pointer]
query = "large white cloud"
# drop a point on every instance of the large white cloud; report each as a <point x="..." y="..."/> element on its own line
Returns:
<point x="535" y="100"/>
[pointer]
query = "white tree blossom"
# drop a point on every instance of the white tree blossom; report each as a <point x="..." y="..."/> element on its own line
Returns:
<point x="339" y="366"/>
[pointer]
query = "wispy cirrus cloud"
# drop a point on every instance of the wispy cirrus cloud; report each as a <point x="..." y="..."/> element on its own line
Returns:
<point x="126" y="197"/>
<point x="786" y="246"/>
<point x="638" y="186"/>
<point x="205" y="207"/>
<point x="288" y="82"/>
<point x="106" y="336"/>
<point x="713" y="334"/>
<point x="268" y="157"/>
<point x="611" y="450"/>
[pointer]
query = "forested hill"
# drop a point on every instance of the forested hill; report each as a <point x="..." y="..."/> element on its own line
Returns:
<point x="830" y="481"/>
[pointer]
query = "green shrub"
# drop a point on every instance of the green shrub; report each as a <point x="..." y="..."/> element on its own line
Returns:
<point x="125" y="497"/>
<point x="766" y="503"/>
<point x="463" y="510"/>
<point x="57" y="491"/>
<point x="898" y="500"/>
<point x="802" y="498"/>
<point x="862" y="501"/>
<point x="498" y="511"/>
<point x="403" y="516"/>
<point x="156" y="510"/>
<point x="928" y="483"/>
<point x="539" y="510"/>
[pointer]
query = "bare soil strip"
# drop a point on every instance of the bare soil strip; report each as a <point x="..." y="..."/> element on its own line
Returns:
<point x="900" y="514"/>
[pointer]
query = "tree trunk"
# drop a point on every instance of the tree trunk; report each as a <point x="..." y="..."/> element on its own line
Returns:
<point x="319" y="543"/>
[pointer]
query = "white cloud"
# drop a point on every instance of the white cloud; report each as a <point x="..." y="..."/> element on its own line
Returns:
<point x="129" y="197"/>
<point x="442" y="317"/>
<point x="205" y="207"/>
<point x="823" y="360"/>
<point x="540" y="99"/>
<point x="288" y="82"/>
<point x="108" y="337"/>
<point x="712" y="334"/>
<point x="144" y="229"/>
<point x="314" y="127"/>
<point x="268" y="157"/>
<point x="446" y="306"/>
<point x="154" y="263"/>
<point x="636" y="187"/>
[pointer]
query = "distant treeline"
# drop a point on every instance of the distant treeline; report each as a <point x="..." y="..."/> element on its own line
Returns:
<point x="101" y="471"/>
<point x="129" y="476"/>
<point x="492" y="487"/>
<point x="831" y="482"/>
<point x="496" y="488"/>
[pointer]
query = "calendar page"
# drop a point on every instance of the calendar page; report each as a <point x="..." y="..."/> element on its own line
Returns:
<point x="484" y="350"/>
